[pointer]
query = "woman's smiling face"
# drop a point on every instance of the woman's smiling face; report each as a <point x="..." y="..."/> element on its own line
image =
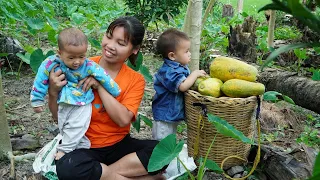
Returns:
<point x="116" y="48"/>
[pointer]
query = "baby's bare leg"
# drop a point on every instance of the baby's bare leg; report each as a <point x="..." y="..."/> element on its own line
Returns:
<point x="59" y="155"/>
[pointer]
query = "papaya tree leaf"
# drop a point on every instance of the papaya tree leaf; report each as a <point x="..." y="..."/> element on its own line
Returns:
<point x="288" y="99"/>
<point x="271" y="96"/>
<point x="136" y="123"/>
<point x="145" y="72"/>
<point x="227" y="129"/>
<point x="146" y="120"/>
<point x="138" y="62"/>
<point x="286" y="48"/>
<point x="164" y="152"/>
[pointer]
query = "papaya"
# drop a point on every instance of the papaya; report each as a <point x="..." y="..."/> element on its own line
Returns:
<point x="225" y="68"/>
<point x="242" y="88"/>
<point x="197" y="82"/>
<point x="210" y="87"/>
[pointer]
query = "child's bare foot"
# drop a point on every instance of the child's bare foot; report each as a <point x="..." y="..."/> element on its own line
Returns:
<point x="59" y="155"/>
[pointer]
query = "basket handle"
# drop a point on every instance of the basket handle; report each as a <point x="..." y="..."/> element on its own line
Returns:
<point x="203" y="108"/>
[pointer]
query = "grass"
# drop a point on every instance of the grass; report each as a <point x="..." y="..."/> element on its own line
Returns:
<point x="249" y="6"/>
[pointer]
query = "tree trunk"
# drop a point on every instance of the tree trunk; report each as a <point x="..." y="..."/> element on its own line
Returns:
<point x="5" y="144"/>
<point x="207" y="12"/>
<point x="240" y="6"/>
<point x="304" y="91"/>
<point x="272" y="22"/>
<point x="242" y="41"/>
<point x="227" y="11"/>
<point x="193" y="29"/>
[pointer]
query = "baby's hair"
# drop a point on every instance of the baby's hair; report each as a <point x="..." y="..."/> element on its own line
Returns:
<point x="71" y="36"/>
<point x="169" y="40"/>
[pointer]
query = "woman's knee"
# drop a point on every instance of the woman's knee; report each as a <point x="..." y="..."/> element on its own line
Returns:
<point x="78" y="165"/>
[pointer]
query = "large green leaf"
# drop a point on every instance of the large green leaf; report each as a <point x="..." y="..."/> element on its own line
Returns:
<point x="37" y="57"/>
<point x="275" y="96"/>
<point x="286" y="48"/>
<point x="146" y="73"/>
<point x="164" y="152"/>
<point x="25" y="58"/>
<point x="213" y="166"/>
<point x="95" y="43"/>
<point x="227" y="129"/>
<point x="35" y="23"/>
<point x="78" y="18"/>
<point x="53" y="23"/>
<point x="316" y="168"/>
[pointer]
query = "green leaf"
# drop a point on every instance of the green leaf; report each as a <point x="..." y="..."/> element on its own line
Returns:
<point x="95" y="43"/>
<point x="3" y="54"/>
<point x="288" y="99"/>
<point x="164" y="152"/>
<point x="78" y="18"/>
<point x="146" y="120"/>
<point x="138" y="62"/>
<point x="53" y="23"/>
<point x="35" y="23"/>
<point x="271" y="96"/>
<point x="136" y="123"/>
<point x="316" y="75"/>
<point x="286" y="48"/>
<point x="183" y="176"/>
<point x="316" y="168"/>
<point x="227" y="129"/>
<point x="30" y="6"/>
<point x="25" y="58"/>
<point x="145" y="72"/>
<point x="213" y="166"/>
<point x="37" y="57"/>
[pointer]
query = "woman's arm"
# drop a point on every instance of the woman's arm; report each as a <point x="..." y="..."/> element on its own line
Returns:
<point x="118" y="112"/>
<point x="56" y="82"/>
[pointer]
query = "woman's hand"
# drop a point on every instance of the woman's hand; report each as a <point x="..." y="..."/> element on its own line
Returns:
<point x="89" y="82"/>
<point x="56" y="81"/>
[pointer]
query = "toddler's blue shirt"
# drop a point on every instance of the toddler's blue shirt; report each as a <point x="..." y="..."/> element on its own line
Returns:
<point x="168" y="102"/>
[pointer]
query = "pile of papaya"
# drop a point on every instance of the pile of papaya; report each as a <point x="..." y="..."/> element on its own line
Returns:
<point x="229" y="77"/>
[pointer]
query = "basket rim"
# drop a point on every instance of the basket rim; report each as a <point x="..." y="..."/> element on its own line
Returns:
<point x="199" y="96"/>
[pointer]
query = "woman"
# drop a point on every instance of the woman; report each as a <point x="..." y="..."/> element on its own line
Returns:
<point x="113" y="153"/>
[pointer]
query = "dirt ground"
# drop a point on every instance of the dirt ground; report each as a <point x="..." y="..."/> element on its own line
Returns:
<point x="22" y="120"/>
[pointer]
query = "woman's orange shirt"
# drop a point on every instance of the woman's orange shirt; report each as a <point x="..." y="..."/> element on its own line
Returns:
<point x="103" y="131"/>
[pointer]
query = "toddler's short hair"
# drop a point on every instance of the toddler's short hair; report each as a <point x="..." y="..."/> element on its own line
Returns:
<point x="169" y="40"/>
<point x="71" y="36"/>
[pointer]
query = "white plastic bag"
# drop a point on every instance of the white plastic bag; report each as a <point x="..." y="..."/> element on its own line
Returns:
<point x="175" y="170"/>
<point x="44" y="162"/>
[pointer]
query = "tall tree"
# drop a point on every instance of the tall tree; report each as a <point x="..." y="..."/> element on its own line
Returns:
<point x="240" y="6"/>
<point x="5" y="144"/>
<point x="192" y="26"/>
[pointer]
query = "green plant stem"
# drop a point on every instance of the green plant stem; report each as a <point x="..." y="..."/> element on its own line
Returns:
<point x="201" y="170"/>
<point x="185" y="167"/>
<point x="19" y="70"/>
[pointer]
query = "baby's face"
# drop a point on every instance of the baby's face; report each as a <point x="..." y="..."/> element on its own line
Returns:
<point x="73" y="56"/>
<point x="182" y="54"/>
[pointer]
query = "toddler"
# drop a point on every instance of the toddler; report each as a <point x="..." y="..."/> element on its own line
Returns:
<point x="171" y="81"/>
<point x="74" y="110"/>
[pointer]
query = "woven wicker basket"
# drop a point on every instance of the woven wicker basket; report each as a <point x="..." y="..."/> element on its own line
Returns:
<point x="239" y="112"/>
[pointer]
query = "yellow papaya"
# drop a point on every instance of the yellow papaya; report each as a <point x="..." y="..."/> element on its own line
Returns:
<point x="210" y="87"/>
<point x="197" y="82"/>
<point x="242" y="88"/>
<point x="226" y="68"/>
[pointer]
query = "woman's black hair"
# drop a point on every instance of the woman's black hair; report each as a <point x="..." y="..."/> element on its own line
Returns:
<point x="134" y="32"/>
